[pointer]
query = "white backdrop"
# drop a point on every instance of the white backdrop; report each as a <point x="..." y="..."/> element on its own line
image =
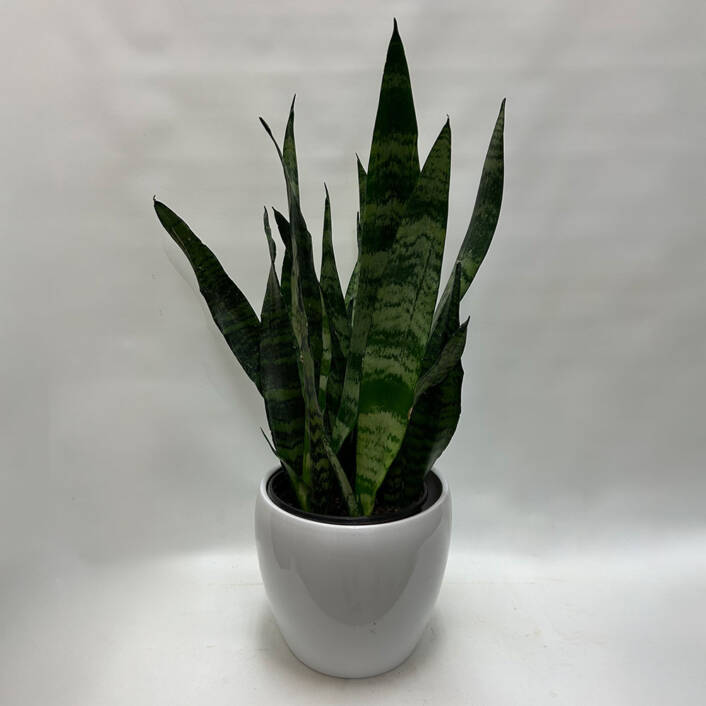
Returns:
<point x="129" y="435"/>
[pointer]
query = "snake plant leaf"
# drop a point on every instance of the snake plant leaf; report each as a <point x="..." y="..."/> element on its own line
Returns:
<point x="325" y="367"/>
<point x="279" y="373"/>
<point x="449" y="356"/>
<point x="286" y="237"/>
<point x="320" y="466"/>
<point x="331" y="284"/>
<point x="271" y="245"/>
<point x="486" y="210"/>
<point x="434" y="416"/>
<point x="229" y="308"/>
<point x="362" y="184"/>
<point x="393" y="170"/>
<point x="289" y="152"/>
<point x="334" y="385"/>
<point x="336" y="317"/>
<point x="401" y="322"/>
<point x="352" y="288"/>
<point x="301" y="490"/>
<point x="304" y="248"/>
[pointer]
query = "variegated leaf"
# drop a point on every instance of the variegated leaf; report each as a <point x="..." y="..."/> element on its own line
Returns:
<point x="321" y="467"/>
<point x="286" y="237"/>
<point x="393" y="171"/>
<point x="434" y="416"/>
<point x="279" y="373"/>
<point x="331" y="285"/>
<point x="449" y="356"/>
<point x="401" y="323"/>
<point x="301" y="490"/>
<point x="485" y="212"/>
<point x="231" y="311"/>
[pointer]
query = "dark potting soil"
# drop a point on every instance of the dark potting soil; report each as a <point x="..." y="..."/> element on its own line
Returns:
<point x="280" y="490"/>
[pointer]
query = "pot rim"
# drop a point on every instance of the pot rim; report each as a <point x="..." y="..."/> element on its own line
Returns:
<point x="352" y="526"/>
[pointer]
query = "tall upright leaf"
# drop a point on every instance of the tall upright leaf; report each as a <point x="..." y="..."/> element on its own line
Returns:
<point x="337" y="320"/>
<point x="434" y="415"/>
<point x="286" y="276"/>
<point x="304" y="248"/>
<point x="321" y="468"/>
<point x="325" y="366"/>
<point x="401" y="322"/>
<point x="289" y="153"/>
<point x="231" y="311"/>
<point x="331" y="284"/>
<point x="352" y="288"/>
<point x="279" y="373"/>
<point x="393" y="171"/>
<point x="486" y="210"/>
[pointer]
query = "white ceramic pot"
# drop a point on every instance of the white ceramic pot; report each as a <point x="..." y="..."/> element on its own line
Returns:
<point x="352" y="600"/>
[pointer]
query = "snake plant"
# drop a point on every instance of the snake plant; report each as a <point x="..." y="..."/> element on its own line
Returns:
<point x="362" y="389"/>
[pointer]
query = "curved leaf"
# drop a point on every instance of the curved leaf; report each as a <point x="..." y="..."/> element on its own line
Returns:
<point x="231" y="311"/>
<point x="449" y="356"/>
<point x="486" y="210"/>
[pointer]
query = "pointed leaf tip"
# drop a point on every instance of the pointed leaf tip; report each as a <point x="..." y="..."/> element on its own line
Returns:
<point x="394" y="26"/>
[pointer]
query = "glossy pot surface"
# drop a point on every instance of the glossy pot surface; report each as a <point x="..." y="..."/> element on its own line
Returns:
<point x="352" y="600"/>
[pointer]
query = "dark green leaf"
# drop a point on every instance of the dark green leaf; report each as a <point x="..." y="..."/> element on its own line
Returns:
<point x="352" y="288"/>
<point x="325" y="367"/>
<point x="393" y="171"/>
<point x="401" y="323"/>
<point x="279" y="373"/>
<point x="301" y="490"/>
<point x="321" y="468"/>
<point x="331" y="285"/>
<point x="485" y="212"/>
<point x="289" y="153"/>
<point x="301" y="237"/>
<point x="286" y="236"/>
<point x="230" y="309"/>
<point x="434" y="415"/>
<point x="449" y="356"/>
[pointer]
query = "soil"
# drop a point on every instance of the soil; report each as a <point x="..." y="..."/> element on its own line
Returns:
<point x="338" y="508"/>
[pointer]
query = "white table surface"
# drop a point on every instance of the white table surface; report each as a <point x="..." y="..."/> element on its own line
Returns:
<point x="619" y="627"/>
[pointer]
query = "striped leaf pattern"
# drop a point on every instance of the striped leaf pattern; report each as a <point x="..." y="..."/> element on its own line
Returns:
<point x="449" y="356"/>
<point x="325" y="368"/>
<point x="231" y="311"/>
<point x="304" y="249"/>
<point x="301" y="490"/>
<point x="279" y="373"/>
<point x="362" y="391"/>
<point x="401" y="323"/>
<point x="393" y="171"/>
<point x="286" y="237"/>
<point x="331" y="285"/>
<point x="486" y="210"/>
<point x="352" y="288"/>
<point x="435" y="413"/>
<point x="339" y="324"/>
<point x="321" y="469"/>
